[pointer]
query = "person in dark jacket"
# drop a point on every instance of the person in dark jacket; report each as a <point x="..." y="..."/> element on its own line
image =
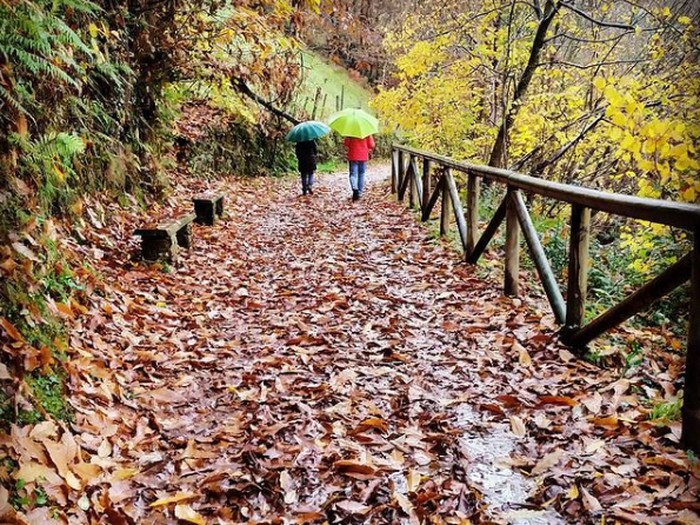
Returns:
<point x="306" y="155"/>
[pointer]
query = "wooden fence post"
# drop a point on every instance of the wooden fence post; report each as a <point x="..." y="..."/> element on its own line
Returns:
<point x="317" y="100"/>
<point x="512" y="247"/>
<point x="691" y="397"/>
<point x="412" y="182"/>
<point x="427" y="190"/>
<point x="577" y="287"/>
<point x="400" y="174"/>
<point x="445" y="208"/>
<point x="394" y="185"/>
<point x="473" y="190"/>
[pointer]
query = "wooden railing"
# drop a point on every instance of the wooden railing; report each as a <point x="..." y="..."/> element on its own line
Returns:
<point x="407" y="177"/>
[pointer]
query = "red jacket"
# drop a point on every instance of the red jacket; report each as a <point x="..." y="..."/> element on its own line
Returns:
<point x="358" y="149"/>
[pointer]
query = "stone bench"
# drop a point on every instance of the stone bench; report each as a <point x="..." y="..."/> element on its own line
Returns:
<point x="208" y="207"/>
<point x="163" y="241"/>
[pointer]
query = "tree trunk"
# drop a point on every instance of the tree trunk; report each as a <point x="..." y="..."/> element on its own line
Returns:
<point x="498" y="153"/>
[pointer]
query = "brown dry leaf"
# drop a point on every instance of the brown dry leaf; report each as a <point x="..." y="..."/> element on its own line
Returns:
<point x="548" y="462"/>
<point x="590" y="502"/>
<point x="594" y="445"/>
<point x="87" y="471"/>
<point x="517" y="426"/>
<point x="60" y="456"/>
<point x="25" y="251"/>
<point x="186" y="513"/>
<point x="413" y="480"/>
<point x="6" y="510"/>
<point x="11" y="330"/>
<point x="4" y="373"/>
<point x="557" y="400"/>
<point x="404" y="503"/>
<point x="353" y="507"/>
<point x="32" y="471"/>
<point x="374" y="422"/>
<point x="355" y="469"/>
<point x="593" y="403"/>
<point x="523" y="356"/>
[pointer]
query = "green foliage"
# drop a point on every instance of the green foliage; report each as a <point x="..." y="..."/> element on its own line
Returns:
<point x="48" y="389"/>
<point x="667" y="410"/>
<point x="36" y="39"/>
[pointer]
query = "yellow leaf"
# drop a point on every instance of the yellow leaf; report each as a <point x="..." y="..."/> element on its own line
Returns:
<point x="612" y="96"/>
<point x="599" y="83"/>
<point x="573" y="492"/>
<point x="125" y="473"/>
<point x="684" y="20"/>
<point x="689" y="195"/>
<point x="619" y="119"/>
<point x="60" y="174"/>
<point x="187" y="513"/>
<point x="615" y="133"/>
<point x="180" y="496"/>
<point x="94" y="31"/>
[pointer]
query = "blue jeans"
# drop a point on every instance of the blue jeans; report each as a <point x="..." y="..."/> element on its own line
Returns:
<point x="357" y="174"/>
<point x="307" y="180"/>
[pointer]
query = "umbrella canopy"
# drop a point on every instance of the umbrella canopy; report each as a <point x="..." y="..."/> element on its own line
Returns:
<point x="309" y="130"/>
<point x="354" y="123"/>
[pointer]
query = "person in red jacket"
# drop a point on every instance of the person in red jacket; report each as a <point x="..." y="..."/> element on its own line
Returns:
<point x="358" y="155"/>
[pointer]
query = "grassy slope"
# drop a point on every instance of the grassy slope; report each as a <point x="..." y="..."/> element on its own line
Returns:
<point x="330" y="78"/>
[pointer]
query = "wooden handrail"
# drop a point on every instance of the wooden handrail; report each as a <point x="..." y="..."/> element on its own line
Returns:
<point x="682" y="215"/>
<point x="513" y="210"/>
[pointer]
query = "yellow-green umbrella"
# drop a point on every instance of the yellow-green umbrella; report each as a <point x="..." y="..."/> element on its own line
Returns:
<point x="353" y="122"/>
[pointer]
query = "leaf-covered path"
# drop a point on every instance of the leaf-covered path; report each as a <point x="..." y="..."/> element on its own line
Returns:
<point x="315" y="360"/>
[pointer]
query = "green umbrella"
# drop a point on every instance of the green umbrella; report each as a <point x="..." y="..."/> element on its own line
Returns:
<point x="309" y="130"/>
<point x="354" y="123"/>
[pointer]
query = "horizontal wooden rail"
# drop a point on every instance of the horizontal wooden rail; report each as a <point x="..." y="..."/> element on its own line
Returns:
<point x="569" y="312"/>
<point x="681" y="215"/>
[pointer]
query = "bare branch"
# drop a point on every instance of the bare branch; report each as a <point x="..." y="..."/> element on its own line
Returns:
<point x="591" y="66"/>
<point x="247" y="91"/>
<point x="594" y="20"/>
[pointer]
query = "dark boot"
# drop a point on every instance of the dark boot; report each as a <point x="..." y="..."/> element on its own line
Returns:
<point x="355" y="195"/>
<point x="303" y="190"/>
<point x="311" y="191"/>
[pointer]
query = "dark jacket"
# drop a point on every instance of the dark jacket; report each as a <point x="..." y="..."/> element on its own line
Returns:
<point x="306" y="155"/>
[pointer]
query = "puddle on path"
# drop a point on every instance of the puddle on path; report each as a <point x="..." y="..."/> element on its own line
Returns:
<point x="504" y="489"/>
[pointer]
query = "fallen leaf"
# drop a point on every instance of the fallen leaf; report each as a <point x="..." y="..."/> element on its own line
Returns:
<point x="353" y="507"/>
<point x="547" y="462"/>
<point x="177" y="498"/>
<point x="593" y="403"/>
<point x="355" y="469"/>
<point x="523" y="356"/>
<point x="590" y="502"/>
<point x="517" y="426"/>
<point x="404" y="503"/>
<point x="557" y="400"/>
<point x="413" y="480"/>
<point x="186" y="513"/>
<point x="10" y="329"/>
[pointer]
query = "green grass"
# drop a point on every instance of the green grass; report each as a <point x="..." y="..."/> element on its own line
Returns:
<point x="667" y="411"/>
<point x="331" y="78"/>
<point x="331" y="166"/>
